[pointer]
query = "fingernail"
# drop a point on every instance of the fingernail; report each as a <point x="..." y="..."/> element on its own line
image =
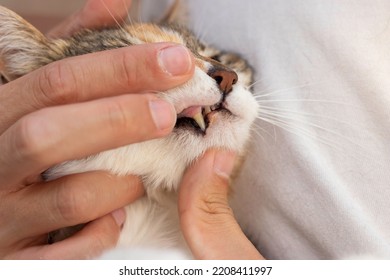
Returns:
<point x="175" y="60"/>
<point x="163" y="114"/>
<point x="119" y="216"/>
<point x="224" y="161"/>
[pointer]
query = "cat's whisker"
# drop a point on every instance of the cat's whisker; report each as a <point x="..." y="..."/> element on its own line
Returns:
<point x="201" y="31"/>
<point x="203" y="34"/>
<point x="279" y="116"/>
<point x="120" y="26"/>
<point x="265" y="93"/>
<point x="288" y="126"/>
<point x="122" y="18"/>
<point x="301" y="132"/>
<point x="261" y="101"/>
<point x="249" y="87"/>
<point x="129" y="19"/>
<point x="303" y="114"/>
<point x="257" y="130"/>
<point x="133" y="22"/>
<point x="288" y="120"/>
<point x="138" y="10"/>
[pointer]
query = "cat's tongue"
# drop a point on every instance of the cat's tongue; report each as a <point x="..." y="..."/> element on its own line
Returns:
<point x="195" y="113"/>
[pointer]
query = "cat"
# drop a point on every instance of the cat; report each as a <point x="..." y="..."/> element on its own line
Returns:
<point x="215" y="109"/>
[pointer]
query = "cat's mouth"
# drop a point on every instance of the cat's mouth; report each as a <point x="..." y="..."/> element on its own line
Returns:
<point x="199" y="117"/>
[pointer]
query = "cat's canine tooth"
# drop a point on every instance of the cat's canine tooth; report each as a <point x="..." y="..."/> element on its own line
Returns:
<point x="207" y="110"/>
<point x="200" y="121"/>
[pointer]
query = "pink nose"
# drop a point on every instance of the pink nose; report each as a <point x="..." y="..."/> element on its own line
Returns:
<point x="225" y="78"/>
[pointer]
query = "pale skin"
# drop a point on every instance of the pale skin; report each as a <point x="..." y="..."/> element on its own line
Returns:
<point x="41" y="126"/>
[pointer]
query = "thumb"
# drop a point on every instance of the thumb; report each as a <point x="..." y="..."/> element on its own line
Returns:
<point x="207" y="221"/>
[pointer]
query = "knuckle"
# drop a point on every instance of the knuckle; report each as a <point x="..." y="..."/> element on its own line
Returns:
<point x="106" y="237"/>
<point x="117" y="116"/>
<point x="57" y="84"/>
<point x="216" y="202"/>
<point x="135" y="186"/>
<point x="102" y="241"/>
<point x="128" y="73"/>
<point x="29" y="132"/>
<point x="71" y="203"/>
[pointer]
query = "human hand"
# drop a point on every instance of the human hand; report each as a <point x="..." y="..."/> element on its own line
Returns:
<point x="67" y="110"/>
<point x="207" y="221"/>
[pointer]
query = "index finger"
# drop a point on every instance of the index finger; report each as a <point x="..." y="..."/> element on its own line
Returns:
<point x="139" y="68"/>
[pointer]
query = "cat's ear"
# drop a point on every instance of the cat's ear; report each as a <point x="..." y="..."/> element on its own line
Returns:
<point x="22" y="47"/>
<point x="177" y="13"/>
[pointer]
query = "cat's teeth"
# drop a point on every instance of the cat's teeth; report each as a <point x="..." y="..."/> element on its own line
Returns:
<point x="195" y="113"/>
<point x="200" y="121"/>
<point x="207" y="110"/>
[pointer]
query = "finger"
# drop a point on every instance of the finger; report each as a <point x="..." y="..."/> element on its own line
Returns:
<point x="95" y="238"/>
<point x="141" y="68"/>
<point x="207" y="221"/>
<point x="57" y="134"/>
<point x="95" y="14"/>
<point x="65" y="202"/>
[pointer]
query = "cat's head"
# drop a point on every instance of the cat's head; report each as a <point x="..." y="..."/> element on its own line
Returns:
<point x="214" y="108"/>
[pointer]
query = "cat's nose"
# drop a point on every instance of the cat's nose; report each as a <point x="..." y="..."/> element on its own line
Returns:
<point x="224" y="77"/>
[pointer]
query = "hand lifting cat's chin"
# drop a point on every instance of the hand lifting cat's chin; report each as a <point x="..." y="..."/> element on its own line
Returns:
<point x="214" y="109"/>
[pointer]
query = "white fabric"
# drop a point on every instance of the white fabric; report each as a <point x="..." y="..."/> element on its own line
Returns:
<point x="322" y="189"/>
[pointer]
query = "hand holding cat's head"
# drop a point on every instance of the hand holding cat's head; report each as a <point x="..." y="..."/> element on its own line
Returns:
<point x="214" y="108"/>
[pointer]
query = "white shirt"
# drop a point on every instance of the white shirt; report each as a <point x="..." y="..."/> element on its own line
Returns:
<point x="320" y="187"/>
